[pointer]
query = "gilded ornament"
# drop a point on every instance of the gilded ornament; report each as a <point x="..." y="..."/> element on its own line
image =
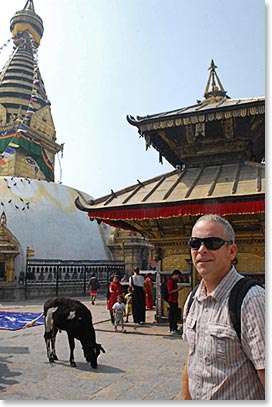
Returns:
<point x="194" y="119"/>
<point x="178" y="122"/>
<point x="210" y="117"/>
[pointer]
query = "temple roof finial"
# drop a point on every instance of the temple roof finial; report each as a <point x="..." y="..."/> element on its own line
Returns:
<point x="29" y="6"/>
<point x="214" y="90"/>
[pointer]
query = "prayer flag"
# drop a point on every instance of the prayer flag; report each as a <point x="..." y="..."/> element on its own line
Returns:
<point x="11" y="144"/>
<point x="10" y="150"/>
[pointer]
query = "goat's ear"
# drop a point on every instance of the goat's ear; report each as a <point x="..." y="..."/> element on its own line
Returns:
<point x="101" y="347"/>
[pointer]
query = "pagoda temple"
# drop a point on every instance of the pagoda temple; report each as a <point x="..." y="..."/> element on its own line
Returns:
<point x="216" y="148"/>
<point x="38" y="216"/>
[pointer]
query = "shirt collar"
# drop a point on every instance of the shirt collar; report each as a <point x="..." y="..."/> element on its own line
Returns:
<point x="223" y="287"/>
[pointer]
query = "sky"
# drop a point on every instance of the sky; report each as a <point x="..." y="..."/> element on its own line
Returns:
<point x="103" y="59"/>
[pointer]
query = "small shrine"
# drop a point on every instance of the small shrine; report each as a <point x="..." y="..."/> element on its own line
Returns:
<point x="9" y="248"/>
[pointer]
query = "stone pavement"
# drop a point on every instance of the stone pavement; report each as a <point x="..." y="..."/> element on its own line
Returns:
<point x="145" y="363"/>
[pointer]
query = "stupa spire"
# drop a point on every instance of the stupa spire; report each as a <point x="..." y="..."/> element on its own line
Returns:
<point x="27" y="132"/>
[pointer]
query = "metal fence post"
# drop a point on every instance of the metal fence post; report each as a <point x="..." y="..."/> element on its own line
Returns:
<point x="26" y="273"/>
<point x="158" y="292"/>
<point x="57" y="281"/>
<point x="84" y="281"/>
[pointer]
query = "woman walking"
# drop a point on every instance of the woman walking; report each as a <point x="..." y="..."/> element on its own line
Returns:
<point x="93" y="286"/>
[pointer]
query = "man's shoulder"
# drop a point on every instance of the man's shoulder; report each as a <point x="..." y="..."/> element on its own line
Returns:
<point x="254" y="294"/>
<point x="170" y="281"/>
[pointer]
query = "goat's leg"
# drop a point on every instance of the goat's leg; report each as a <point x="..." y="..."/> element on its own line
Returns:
<point x="50" y="331"/>
<point x="47" y="338"/>
<point x="71" y="340"/>
<point x="53" y="344"/>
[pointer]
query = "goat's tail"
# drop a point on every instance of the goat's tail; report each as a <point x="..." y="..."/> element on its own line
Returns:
<point x="31" y="323"/>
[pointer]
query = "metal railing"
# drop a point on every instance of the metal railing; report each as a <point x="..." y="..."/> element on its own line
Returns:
<point x="68" y="273"/>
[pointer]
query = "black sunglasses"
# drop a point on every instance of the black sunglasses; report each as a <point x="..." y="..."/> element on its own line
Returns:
<point x="211" y="243"/>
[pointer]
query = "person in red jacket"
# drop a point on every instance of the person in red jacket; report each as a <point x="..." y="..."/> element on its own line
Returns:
<point x="115" y="289"/>
<point x="173" y="289"/>
<point x="148" y="289"/>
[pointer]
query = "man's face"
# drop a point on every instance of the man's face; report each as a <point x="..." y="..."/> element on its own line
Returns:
<point x="212" y="265"/>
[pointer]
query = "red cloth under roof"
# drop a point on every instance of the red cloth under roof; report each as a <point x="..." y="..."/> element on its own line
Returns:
<point x="226" y="208"/>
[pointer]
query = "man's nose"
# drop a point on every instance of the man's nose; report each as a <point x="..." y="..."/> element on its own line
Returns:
<point x="202" y="247"/>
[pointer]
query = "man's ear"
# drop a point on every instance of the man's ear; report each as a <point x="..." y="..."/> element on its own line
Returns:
<point x="232" y="251"/>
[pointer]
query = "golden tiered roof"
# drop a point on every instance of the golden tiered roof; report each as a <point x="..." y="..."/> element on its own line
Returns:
<point x="216" y="147"/>
<point x="225" y="189"/>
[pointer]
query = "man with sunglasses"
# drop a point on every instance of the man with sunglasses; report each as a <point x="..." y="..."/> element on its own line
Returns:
<point x="220" y="366"/>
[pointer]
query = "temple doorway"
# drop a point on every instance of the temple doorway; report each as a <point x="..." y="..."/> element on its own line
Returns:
<point x="2" y="271"/>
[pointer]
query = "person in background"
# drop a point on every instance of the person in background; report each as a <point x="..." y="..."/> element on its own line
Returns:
<point x="173" y="289"/>
<point x="136" y="282"/>
<point x="128" y="299"/>
<point x="125" y="277"/>
<point x="115" y="289"/>
<point x="220" y="366"/>
<point x="93" y="285"/>
<point x="119" y="313"/>
<point x="148" y="289"/>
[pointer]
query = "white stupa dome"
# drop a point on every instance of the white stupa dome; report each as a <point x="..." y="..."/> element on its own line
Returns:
<point x="42" y="215"/>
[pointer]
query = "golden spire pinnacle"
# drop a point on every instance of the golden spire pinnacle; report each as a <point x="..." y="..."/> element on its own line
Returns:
<point x="29" y="5"/>
<point x="27" y="20"/>
<point x="214" y="90"/>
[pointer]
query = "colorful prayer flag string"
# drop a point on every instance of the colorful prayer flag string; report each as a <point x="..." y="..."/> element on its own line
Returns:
<point x="5" y="44"/>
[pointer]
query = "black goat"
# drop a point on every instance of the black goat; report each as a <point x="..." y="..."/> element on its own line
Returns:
<point x="75" y="318"/>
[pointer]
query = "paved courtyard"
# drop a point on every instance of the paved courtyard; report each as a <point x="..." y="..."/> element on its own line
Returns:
<point x="143" y="364"/>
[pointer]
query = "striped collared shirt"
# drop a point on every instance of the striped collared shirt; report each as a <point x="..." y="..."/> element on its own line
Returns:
<point x="220" y="367"/>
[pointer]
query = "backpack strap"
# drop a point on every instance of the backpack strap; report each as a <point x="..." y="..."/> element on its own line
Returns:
<point x="237" y="295"/>
<point x="191" y="299"/>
